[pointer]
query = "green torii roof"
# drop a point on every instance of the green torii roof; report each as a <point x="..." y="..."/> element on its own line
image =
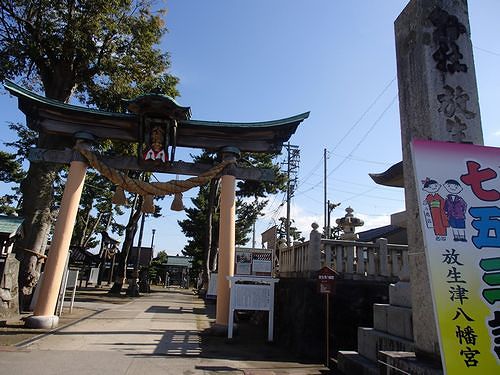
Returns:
<point x="158" y="103"/>
<point x="22" y="93"/>
<point x="54" y="117"/>
<point x="10" y="225"/>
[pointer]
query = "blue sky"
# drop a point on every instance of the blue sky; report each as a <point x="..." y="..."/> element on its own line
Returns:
<point x="262" y="60"/>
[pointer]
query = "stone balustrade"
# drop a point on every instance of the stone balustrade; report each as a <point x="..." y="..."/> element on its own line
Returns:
<point x="353" y="260"/>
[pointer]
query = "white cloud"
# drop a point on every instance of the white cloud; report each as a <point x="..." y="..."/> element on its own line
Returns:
<point x="303" y="221"/>
<point x="303" y="218"/>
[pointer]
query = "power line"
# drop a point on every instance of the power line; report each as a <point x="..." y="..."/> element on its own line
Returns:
<point x="356" y="146"/>
<point x="487" y="51"/>
<point x="366" y="195"/>
<point x="364" y="113"/>
<point x="364" y="185"/>
<point x="312" y="171"/>
<point x="361" y="160"/>
<point x="351" y="128"/>
<point x="365" y="135"/>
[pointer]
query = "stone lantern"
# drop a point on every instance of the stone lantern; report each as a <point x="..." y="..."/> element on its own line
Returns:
<point x="348" y="223"/>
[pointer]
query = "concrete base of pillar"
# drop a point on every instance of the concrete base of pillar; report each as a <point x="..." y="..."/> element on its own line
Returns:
<point x="218" y="330"/>
<point x="42" y="321"/>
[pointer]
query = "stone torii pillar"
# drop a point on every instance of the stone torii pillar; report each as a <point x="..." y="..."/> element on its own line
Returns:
<point x="438" y="100"/>
<point x="43" y="316"/>
<point x="227" y="240"/>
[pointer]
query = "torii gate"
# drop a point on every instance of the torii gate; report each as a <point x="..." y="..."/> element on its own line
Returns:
<point x="159" y="125"/>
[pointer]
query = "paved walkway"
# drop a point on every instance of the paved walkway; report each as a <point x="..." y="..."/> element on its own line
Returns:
<point x="161" y="333"/>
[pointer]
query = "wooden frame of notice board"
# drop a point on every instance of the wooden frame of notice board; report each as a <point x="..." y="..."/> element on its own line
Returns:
<point x="255" y="262"/>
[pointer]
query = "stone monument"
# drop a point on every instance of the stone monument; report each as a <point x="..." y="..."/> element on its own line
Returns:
<point x="438" y="100"/>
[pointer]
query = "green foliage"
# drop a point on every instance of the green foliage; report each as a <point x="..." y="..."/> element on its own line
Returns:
<point x="97" y="51"/>
<point x="260" y="189"/>
<point x="11" y="166"/>
<point x="156" y="265"/>
<point x="102" y="50"/>
<point x="10" y="172"/>
<point x="96" y="212"/>
<point x="194" y="227"/>
<point x="10" y="169"/>
<point x="26" y="139"/>
<point x="249" y="206"/>
<point x="294" y="233"/>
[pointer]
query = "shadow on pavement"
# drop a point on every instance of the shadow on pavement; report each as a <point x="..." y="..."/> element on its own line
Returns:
<point x="175" y="310"/>
<point x="249" y="343"/>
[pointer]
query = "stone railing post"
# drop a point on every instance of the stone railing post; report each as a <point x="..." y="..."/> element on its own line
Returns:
<point x="339" y="258"/>
<point x="405" y="272"/>
<point x="372" y="268"/>
<point x="328" y="255"/>
<point x="349" y="250"/>
<point x="395" y="263"/>
<point x="360" y="260"/>
<point x="383" y="257"/>
<point x="314" y="249"/>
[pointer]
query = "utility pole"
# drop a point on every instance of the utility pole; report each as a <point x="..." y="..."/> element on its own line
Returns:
<point x="292" y="163"/>
<point x="325" y="202"/>
<point x="139" y="242"/>
<point x="328" y="221"/>
<point x="153" y="238"/>
<point x="253" y="236"/>
<point x="133" y="288"/>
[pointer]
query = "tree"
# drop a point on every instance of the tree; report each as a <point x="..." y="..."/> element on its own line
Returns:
<point x="10" y="172"/>
<point x="295" y="234"/>
<point x="202" y="244"/>
<point x="155" y="269"/>
<point x="97" y="50"/>
<point x="96" y="211"/>
<point x="130" y="231"/>
<point x="195" y="228"/>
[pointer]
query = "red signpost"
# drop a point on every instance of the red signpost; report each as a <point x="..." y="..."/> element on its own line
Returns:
<point x="326" y="285"/>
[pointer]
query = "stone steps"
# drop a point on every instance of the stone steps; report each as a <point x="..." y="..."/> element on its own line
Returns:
<point x="397" y="363"/>
<point x="400" y="294"/>
<point x="392" y="332"/>
<point x="395" y="320"/>
<point x="370" y="341"/>
<point x="351" y="362"/>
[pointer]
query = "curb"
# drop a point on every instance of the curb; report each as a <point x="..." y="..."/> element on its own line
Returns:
<point x="25" y="343"/>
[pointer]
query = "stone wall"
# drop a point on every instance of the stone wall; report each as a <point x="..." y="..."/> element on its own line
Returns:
<point x="300" y="315"/>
